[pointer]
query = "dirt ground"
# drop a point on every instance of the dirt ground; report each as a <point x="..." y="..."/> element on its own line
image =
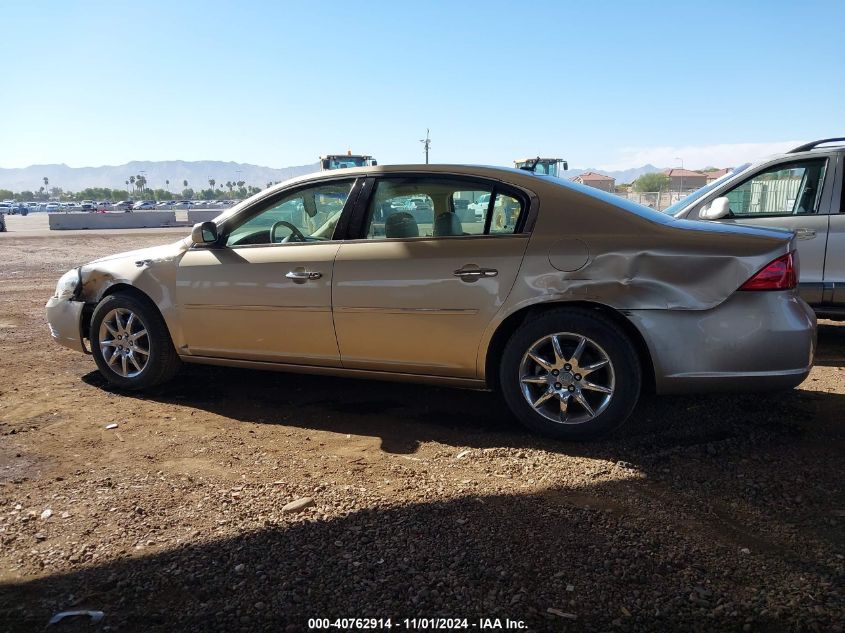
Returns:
<point x="714" y="513"/>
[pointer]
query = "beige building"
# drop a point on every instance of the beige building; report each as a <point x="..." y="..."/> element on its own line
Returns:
<point x="685" y="180"/>
<point x="599" y="181"/>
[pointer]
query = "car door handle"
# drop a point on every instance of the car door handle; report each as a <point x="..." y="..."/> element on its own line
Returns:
<point x="303" y="275"/>
<point x="471" y="274"/>
<point x="805" y="234"/>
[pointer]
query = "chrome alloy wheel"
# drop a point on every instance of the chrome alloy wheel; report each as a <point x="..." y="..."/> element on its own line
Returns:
<point x="567" y="378"/>
<point x="124" y="342"/>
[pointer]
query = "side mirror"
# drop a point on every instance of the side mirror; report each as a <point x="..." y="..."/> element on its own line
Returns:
<point x="718" y="209"/>
<point x="204" y="233"/>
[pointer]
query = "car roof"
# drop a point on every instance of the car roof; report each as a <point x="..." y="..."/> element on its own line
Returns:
<point x="839" y="141"/>
<point x="539" y="184"/>
<point x="519" y="177"/>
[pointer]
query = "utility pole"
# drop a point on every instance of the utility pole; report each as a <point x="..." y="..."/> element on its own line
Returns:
<point x="681" y="184"/>
<point x="426" y="144"/>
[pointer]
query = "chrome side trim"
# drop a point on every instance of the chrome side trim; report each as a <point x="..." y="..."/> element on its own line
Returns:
<point x="214" y="306"/>
<point x="435" y="311"/>
<point x="460" y="383"/>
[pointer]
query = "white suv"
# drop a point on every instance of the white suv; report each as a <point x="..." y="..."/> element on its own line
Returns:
<point x="802" y="191"/>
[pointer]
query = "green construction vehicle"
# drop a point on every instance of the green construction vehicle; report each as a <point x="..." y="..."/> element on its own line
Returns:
<point x="548" y="166"/>
<point x="345" y="161"/>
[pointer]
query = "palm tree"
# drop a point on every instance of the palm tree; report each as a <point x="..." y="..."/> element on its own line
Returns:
<point x="132" y="182"/>
<point x="46" y="181"/>
<point x="229" y="185"/>
<point x="269" y="184"/>
<point x="240" y="184"/>
<point x="167" y="184"/>
<point x="211" y="182"/>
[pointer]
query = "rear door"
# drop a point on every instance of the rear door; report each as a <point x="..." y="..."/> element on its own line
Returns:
<point x="796" y="195"/>
<point x="417" y="288"/>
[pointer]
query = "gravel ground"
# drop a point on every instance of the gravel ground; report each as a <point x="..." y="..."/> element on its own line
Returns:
<point x="716" y="513"/>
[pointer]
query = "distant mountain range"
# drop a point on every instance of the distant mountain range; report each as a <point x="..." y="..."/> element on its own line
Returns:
<point x="624" y="177"/>
<point x="197" y="173"/>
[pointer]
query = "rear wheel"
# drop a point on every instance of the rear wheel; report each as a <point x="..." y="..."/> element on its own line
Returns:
<point x="570" y="374"/>
<point x="130" y="343"/>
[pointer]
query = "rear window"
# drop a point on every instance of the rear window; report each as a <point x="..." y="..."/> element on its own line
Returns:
<point x="617" y="201"/>
<point x="430" y="206"/>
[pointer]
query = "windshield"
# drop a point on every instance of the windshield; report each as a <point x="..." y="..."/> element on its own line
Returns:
<point x="698" y="193"/>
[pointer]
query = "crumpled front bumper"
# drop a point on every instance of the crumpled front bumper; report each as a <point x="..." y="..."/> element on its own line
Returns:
<point x="64" y="317"/>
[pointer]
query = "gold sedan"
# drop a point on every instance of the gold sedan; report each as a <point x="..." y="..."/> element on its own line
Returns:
<point x="568" y="300"/>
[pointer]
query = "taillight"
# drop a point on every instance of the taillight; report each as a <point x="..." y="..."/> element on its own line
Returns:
<point x="780" y="274"/>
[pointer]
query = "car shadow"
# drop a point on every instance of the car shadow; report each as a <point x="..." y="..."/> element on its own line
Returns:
<point x="700" y="498"/>
<point x="830" y="351"/>
<point x="536" y="557"/>
<point x="405" y="415"/>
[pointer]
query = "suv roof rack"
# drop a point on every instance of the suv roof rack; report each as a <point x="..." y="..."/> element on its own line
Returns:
<point x="814" y="144"/>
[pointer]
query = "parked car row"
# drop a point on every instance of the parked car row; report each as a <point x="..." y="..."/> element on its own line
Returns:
<point x="13" y="207"/>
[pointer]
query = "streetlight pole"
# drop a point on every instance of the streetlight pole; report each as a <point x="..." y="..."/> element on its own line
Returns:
<point x="426" y="144"/>
<point x="681" y="184"/>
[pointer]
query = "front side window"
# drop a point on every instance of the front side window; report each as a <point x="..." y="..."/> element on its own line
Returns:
<point x="307" y="215"/>
<point x="439" y="207"/>
<point x="785" y="189"/>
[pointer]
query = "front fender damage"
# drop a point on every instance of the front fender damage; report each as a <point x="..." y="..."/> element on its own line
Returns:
<point x="151" y="272"/>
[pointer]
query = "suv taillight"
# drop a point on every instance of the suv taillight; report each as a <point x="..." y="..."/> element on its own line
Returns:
<point x="780" y="274"/>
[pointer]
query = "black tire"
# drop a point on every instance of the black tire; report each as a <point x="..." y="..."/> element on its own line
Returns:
<point x="624" y="373"/>
<point x="163" y="361"/>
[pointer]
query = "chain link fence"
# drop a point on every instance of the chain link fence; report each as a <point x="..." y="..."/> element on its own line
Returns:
<point x="655" y="199"/>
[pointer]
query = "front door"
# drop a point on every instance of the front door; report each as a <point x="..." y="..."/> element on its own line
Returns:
<point x="418" y="288"/>
<point x="263" y="292"/>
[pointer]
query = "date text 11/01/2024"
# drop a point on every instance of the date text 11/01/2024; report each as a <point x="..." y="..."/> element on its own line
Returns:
<point x="415" y="624"/>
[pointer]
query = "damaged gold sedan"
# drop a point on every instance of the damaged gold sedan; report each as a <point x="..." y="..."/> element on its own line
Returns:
<point x="567" y="300"/>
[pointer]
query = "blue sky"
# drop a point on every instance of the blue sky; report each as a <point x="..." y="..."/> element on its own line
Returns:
<point x="604" y="84"/>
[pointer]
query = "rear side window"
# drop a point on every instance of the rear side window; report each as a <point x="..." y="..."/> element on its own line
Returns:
<point x="439" y="207"/>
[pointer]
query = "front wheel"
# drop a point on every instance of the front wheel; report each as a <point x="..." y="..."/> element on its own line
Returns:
<point x="570" y="374"/>
<point x="130" y="343"/>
